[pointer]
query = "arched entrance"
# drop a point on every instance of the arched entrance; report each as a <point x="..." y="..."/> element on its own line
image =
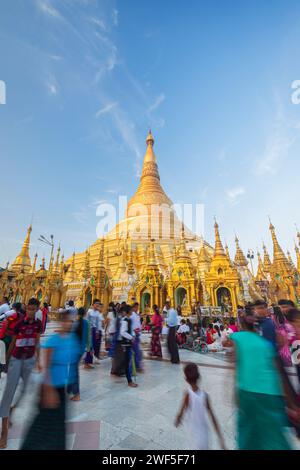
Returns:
<point x="224" y="298"/>
<point x="88" y="299"/>
<point x="180" y="296"/>
<point x="145" y="302"/>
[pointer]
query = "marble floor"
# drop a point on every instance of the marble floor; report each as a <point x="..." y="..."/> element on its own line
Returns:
<point x="112" y="416"/>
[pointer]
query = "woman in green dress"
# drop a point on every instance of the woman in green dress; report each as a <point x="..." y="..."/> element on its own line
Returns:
<point x="260" y="392"/>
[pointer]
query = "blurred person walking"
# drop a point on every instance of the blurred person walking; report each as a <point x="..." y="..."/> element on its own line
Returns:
<point x="116" y="351"/>
<point x="22" y="356"/>
<point x="95" y="319"/>
<point x="48" y="431"/>
<point x="126" y="337"/>
<point x="81" y="330"/>
<point x="136" y="328"/>
<point x="260" y="390"/>
<point x="157" y="323"/>
<point x="196" y="408"/>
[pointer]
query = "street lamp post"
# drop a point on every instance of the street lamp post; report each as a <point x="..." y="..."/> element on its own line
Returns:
<point x="48" y="242"/>
<point x="250" y="256"/>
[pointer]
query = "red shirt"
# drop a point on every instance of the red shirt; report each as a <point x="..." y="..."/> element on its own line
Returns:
<point x="45" y="313"/>
<point x="234" y="328"/>
<point x="12" y="322"/>
<point x="209" y="336"/>
<point x="157" y="320"/>
<point x="26" y="333"/>
<point x="3" y="326"/>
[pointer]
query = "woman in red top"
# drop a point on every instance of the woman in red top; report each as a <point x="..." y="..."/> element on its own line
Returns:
<point x="210" y="332"/>
<point x="232" y="325"/>
<point x="157" y="322"/>
<point x="45" y="311"/>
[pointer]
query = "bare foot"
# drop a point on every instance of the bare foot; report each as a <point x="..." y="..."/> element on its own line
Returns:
<point x="76" y="398"/>
<point x="132" y="385"/>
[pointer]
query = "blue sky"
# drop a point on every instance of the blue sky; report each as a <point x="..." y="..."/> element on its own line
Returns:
<point x="85" y="79"/>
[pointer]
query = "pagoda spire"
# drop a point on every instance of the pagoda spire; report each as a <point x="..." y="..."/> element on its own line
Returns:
<point x="150" y="190"/>
<point x="56" y="266"/>
<point x="72" y="273"/>
<point x="240" y="259"/>
<point x="62" y="265"/>
<point x="33" y="269"/>
<point x="279" y="258"/>
<point x="86" y="273"/>
<point x="260" y="268"/>
<point x="297" y="256"/>
<point x="22" y="261"/>
<point x="290" y="259"/>
<point x="298" y="235"/>
<point x="203" y="256"/>
<point x="219" y="250"/>
<point x="182" y="251"/>
<point x="267" y="262"/>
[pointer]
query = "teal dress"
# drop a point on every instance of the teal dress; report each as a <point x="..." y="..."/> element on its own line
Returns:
<point x="261" y="414"/>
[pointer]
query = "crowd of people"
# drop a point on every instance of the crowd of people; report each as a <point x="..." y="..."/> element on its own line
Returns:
<point x="264" y="342"/>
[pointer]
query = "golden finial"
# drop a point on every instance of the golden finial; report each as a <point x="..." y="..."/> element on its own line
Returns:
<point x="150" y="139"/>
<point x="33" y="269"/>
<point x="271" y="226"/>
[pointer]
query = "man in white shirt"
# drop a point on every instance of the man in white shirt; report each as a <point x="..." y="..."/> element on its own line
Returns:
<point x="184" y="328"/>
<point x="136" y="328"/>
<point x="72" y="309"/>
<point x="4" y="307"/>
<point x="39" y="314"/>
<point x="172" y="322"/>
<point x="95" y="318"/>
<point x="127" y="339"/>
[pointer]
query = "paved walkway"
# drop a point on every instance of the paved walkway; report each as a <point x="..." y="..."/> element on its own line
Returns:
<point x="112" y="416"/>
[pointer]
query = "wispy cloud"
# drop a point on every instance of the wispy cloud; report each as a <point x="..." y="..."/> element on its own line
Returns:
<point x="81" y="216"/>
<point x="275" y="151"/>
<point x="52" y="88"/>
<point x="98" y="22"/>
<point x="55" y="57"/>
<point x="110" y="57"/>
<point x="106" y="109"/>
<point x="115" y="17"/>
<point x="97" y="202"/>
<point x="234" y="194"/>
<point x="48" y="9"/>
<point x="111" y="191"/>
<point x="280" y="139"/>
<point x="157" y="102"/>
<point x="127" y="132"/>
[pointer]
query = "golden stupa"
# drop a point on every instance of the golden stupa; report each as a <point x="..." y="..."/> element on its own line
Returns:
<point x="150" y="256"/>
